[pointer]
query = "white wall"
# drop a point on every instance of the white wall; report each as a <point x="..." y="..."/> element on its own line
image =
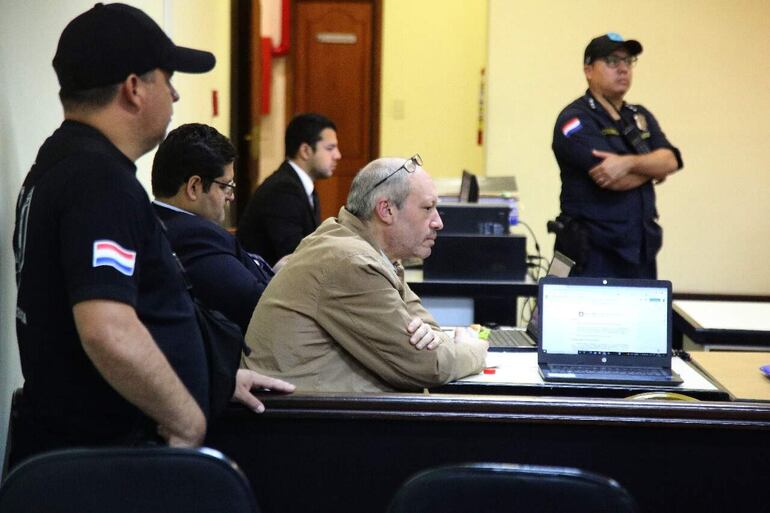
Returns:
<point x="30" y="111"/>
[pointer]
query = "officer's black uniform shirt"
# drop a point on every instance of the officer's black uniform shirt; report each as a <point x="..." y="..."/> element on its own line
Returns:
<point x="620" y="221"/>
<point x="81" y="214"/>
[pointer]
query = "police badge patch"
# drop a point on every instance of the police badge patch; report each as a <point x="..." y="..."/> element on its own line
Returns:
<point x="641" y="121"/>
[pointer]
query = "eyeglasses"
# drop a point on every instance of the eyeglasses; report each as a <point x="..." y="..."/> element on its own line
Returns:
<point x="227" y="187"/>
<point x="410" y="166"/>
<point x="614" y="60"/>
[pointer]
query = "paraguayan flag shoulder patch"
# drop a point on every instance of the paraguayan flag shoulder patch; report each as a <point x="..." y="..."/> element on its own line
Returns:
<point x="571" y="126"/>
<point x="111" y="254"/>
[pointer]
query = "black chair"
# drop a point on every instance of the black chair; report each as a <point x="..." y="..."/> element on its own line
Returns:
<point x="500" y="487"/>
<point x="123" y="480"/>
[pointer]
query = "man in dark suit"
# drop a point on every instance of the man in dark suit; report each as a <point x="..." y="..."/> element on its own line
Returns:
<point x="192" y="180"/>
<point x="285" y="208"/>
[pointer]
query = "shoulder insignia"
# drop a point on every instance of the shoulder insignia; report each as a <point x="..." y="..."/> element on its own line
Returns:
<point x="111" y="254"/>
<point x="641" y="121"/>
<point x="610" y="131"/>
<point x="571" y="126"/>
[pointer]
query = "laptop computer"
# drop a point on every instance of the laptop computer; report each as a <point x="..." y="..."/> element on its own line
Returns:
<point x="597" y="330"/>
<point x="510" y="338"/>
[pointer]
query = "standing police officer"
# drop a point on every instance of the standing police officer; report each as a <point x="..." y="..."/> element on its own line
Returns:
<point x="110" y="348"/>
<point x="610" y="153"/>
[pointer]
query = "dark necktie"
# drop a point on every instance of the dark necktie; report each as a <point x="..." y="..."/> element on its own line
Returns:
<point x="316" y="207"/>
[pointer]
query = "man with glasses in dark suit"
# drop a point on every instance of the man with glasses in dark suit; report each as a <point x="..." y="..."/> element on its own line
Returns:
<point x="192" y="180"/>
<point x="610" y="154"/>
<point x="340" y="317"/>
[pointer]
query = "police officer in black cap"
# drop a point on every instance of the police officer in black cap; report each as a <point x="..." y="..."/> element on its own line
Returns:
<point x="610" y="155"/>
<point x="110" y="348"/>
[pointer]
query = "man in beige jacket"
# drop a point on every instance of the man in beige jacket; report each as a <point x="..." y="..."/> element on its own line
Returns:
<point x="339" y="316"/>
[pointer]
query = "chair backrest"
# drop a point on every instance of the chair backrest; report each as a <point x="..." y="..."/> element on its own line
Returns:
<point x="122" y="480"/>
<point x="506" y="488"/>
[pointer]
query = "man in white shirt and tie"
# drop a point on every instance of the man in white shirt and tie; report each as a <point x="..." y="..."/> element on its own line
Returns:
<point x="285" y="207"/>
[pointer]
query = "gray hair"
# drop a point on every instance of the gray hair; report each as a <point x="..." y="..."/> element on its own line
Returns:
<point x="362" y="198"/>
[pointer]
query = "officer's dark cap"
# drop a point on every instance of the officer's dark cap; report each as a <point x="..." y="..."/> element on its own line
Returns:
<point x="604" y="45"/>
<point x="107" y="43"/>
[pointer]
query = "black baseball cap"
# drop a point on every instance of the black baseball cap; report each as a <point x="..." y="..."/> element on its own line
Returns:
<point x="604" y="45"/>
<point x="108" y="42"/>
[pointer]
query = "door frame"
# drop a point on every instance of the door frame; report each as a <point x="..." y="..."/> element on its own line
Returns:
<point x="245" y="99"/>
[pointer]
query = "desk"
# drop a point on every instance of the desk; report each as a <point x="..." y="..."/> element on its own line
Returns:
<point x="517" y="373"/>
<point x="350" y="453"/>
<point x="493" y="301"/>
<point x="722" y="324"/>
<point x="738" y="372"/>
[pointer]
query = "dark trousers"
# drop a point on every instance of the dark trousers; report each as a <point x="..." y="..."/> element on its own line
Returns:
<point x="573" y="239"/>
<point x="601" y="263"/>
<point x="30" y="438"/>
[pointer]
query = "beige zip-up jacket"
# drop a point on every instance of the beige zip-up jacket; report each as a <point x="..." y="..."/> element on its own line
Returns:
<point x="335" y="317"/>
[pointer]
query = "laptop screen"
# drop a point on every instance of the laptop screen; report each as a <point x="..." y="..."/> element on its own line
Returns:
<point x="583" y="316"/>
<point x="560" y="266"/>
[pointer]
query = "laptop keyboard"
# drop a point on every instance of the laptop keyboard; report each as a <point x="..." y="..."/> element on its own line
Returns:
<point x="605" y="369"/>
<point x="509" y="338"/>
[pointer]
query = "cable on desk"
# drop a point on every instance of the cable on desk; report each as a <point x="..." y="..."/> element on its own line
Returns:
<point x="536" y="269"/>
<point x="534" y="239"/>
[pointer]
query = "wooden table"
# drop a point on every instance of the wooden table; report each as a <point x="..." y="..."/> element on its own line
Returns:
<point x="737" y="371"/>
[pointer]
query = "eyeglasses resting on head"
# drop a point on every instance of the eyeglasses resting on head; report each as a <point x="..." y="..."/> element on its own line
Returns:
<point x="410" y="166"/>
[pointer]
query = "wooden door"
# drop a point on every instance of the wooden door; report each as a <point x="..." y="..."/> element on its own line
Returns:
<point x="335" y="68"/>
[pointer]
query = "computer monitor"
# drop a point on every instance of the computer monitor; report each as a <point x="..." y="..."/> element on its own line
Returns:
<point x="469" y="188"/>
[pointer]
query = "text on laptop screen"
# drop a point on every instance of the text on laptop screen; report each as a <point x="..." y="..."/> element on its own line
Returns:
<point x="604" y="320"/>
